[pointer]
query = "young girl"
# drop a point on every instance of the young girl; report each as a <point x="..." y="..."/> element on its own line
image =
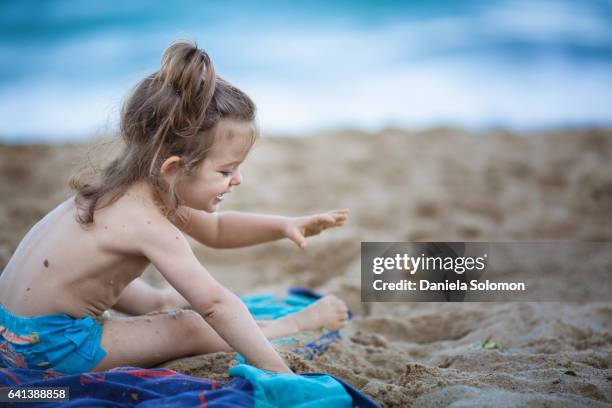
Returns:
<point x="186" y="134"/>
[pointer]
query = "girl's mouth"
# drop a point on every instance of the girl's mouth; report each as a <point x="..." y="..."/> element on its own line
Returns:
<point x="220" y="196"/>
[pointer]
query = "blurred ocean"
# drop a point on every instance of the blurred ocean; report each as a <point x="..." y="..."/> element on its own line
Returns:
<point x="66" y="66"/>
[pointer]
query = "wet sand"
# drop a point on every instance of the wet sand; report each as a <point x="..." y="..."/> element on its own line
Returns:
<point x="441" y="184"/>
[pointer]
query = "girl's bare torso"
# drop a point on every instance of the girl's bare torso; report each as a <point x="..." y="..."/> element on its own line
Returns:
<point x="61" y="266"/>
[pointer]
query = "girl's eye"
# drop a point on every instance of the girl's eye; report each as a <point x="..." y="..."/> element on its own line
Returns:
<point x="226" y="173"/>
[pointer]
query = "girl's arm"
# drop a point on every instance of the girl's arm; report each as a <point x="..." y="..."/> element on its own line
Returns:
<point x="235" y="229"/>
<point x="169" y="251"/>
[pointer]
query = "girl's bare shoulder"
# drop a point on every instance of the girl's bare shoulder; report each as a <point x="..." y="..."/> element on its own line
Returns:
<point x="132" y="219"/>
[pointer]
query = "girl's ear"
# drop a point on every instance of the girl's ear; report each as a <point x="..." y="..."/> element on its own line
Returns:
<point x="170" y="167"/>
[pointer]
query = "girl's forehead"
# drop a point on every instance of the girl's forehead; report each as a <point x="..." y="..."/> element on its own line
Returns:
<point x="233" y="141"/>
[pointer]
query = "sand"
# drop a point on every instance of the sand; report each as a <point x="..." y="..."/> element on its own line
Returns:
<point x="441" y="184"/>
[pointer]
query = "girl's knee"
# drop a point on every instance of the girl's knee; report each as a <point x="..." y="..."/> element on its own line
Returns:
<point x="197" y="335"/>
<point x="191" y="323"/>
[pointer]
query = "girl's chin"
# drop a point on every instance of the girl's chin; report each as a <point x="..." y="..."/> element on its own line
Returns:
<point x="214" y="206"/>
<point x="210" y="207"/>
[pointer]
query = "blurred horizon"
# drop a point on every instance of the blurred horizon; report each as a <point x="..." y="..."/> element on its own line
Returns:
<point x="67" y="66"/>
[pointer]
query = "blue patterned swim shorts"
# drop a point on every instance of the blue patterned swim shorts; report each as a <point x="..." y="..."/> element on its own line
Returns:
<point x="55" y="341"/>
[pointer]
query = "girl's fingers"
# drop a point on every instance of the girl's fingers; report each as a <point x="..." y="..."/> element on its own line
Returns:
<point x="340" y="215"/>
<point x="326" y="218"/>
<point x="319" y="222"/>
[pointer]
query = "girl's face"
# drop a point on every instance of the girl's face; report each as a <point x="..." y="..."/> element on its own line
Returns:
<point x="220" y="171"/>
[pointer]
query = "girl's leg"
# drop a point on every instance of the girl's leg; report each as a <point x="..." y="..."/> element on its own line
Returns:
<point x="140" y="298"/>
<point x="145" y="341"/>
<point x="328" y="312"/>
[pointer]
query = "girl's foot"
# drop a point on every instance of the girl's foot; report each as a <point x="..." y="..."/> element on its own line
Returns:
<point x="329" y="312"/>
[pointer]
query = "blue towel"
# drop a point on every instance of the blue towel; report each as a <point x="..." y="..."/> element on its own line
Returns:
<point x="158" y="387"/>
<point x="270" y="307"/>
<point x="287" y="390"/>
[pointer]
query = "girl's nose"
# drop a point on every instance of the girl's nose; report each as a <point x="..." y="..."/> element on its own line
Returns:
<point x="236" y="178"/>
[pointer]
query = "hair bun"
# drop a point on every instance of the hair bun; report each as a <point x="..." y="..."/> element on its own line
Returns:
<point x="188" y="71"/>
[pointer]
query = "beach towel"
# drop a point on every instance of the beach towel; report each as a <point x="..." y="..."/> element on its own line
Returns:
<point x="159" y="387"/>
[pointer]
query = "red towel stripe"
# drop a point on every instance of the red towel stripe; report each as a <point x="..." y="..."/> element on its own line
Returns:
<point x="10" y="375"/>
<point x="202" y="400"/>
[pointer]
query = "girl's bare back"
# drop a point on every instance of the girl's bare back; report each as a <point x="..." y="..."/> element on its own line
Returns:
<point x="62" y="266"/>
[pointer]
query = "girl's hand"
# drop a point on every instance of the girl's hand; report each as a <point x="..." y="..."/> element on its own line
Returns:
<point x="299" y="228"/>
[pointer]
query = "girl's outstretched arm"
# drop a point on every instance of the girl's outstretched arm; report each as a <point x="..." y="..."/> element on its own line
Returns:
<point x="169" y="251"/>
<point x="235" y="229"/>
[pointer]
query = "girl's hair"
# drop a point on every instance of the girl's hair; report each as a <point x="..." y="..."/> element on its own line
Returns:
<point x="173" y="111"/>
